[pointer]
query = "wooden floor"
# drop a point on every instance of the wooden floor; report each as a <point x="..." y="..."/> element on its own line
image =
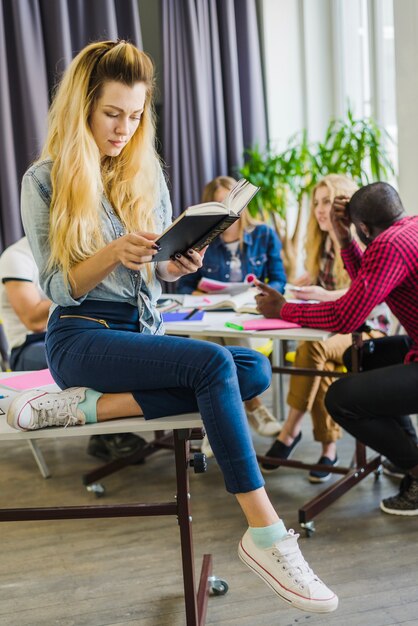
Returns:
<point x="127" y="572"/>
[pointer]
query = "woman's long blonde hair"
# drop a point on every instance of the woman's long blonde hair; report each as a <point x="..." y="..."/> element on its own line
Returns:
<point x="337" y="185"/>
<point x="227" y="182"/>
<point x="79" y="176"/>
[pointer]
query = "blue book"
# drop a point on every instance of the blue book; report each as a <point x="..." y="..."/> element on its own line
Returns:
<point x="183" y="316"/>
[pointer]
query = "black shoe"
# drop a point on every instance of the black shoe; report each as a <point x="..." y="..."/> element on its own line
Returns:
<point x="279" y="451"/>
<point x="321" y="476"/>
<point x="390" y="469"/>
<point x="406" y="501"/>
<point x="118" y="446"/>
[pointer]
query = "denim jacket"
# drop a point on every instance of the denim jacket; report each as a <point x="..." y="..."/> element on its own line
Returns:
<point x="260" y="256"/>
<point x="122" y="284"/>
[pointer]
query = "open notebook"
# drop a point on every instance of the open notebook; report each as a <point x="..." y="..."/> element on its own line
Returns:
<point x="240" y="303"/>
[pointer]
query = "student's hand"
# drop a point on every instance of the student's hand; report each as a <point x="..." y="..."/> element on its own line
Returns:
<point x="182" y="264"/>
<point x="135" y="249"/>
<point x="269" y="301"/>
<point x="303" y="280"/>
<point x="312" y="292"/>
<point x="340" y="219"/>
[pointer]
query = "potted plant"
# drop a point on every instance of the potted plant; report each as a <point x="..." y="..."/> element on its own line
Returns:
<point x="356" y="147"/>
<point x="353" y="147"/>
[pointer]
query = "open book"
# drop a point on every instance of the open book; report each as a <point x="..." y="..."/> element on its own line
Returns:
<point x="240" y="303"/>
<point x="198" y="225"/>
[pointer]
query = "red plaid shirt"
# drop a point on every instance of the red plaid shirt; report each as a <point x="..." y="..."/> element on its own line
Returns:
<point x="326" y="277"/>
<point x="386" y="272"/>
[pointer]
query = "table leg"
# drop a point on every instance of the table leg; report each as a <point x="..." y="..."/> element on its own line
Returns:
<point x="277" y="381"/>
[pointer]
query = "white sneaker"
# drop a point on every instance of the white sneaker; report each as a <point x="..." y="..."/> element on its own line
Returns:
<point x="35" y="409"/>
<point x="205" y="448"/>
<point x="263" y="422"/>
<point x="284" y="569"/>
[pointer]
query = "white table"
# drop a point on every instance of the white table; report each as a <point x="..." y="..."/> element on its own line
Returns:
<point x="213" y="325"/>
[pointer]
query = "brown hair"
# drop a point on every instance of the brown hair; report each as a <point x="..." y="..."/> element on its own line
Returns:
<point x="227" y="182"/>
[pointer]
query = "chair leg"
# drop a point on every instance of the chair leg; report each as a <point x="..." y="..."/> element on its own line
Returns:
<point x="196" y="604"/>
<point x="39" y="458"/>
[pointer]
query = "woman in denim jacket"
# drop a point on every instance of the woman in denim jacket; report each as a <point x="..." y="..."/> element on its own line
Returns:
<point x="92" y="208"/>
<point x="256" y="248"/>
<point x="246" y="247"/>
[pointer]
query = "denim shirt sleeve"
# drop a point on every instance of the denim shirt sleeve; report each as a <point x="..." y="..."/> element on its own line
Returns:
<point x="188" y="283"/>
<point x="275" y="270"/>
<point x="35" y="207"/>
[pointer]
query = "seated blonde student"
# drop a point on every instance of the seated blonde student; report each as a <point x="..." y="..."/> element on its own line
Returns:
<point x="92" y="207"/>
<point x="325" y="280"/>
<point x="24" y="308"/>
<point x="246" y="247"/>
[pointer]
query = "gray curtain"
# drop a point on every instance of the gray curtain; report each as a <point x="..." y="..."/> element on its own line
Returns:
<point x="38" y="38"/>
<point x="214" y="104"/>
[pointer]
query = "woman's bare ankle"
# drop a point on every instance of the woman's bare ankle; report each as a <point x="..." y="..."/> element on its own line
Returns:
<point x="287" y="438"/>
<point x="329" y="450"/>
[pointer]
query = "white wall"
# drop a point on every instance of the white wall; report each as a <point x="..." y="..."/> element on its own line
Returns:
<point x="319" y="66"/>
<point x="284" y="79"/>
<point x="406" y="56"/>
<point x="300" y="75"/>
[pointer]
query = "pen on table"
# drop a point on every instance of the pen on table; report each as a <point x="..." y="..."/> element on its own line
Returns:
<point x="234" y="326"/>
<point x="191" y="314"/>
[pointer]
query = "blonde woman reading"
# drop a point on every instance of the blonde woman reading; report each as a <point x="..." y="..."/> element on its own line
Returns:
<point x="92" y="208"/>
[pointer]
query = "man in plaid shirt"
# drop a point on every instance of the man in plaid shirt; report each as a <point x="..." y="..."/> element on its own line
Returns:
<point x="372" y="406"/>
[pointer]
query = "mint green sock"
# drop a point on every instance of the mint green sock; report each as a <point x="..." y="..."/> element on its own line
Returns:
<point x="89" y="405"/>
<point x="268" y="535"/>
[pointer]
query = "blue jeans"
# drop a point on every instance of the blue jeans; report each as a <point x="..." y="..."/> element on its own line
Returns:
<point x="31" y="357"/>
<point x="166" y="375"/>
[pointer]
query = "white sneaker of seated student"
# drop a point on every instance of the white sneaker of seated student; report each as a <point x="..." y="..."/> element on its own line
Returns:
<point x="284" y="569"/>
<point x="205" y="447"/>
<point x="263" y="422"/>
<point x="35" y="409"/>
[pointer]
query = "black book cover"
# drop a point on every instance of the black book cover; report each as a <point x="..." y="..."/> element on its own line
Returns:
<point x="192" y="231"/>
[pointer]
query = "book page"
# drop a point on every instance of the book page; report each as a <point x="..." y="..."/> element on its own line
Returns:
<point x="241" y="195"/>
<point x="244" y="302"/>
<point x="206" y="207"/>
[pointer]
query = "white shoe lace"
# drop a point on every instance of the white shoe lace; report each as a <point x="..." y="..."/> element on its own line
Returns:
<point x="59" y="411"/>
<point x="291" y="560"/>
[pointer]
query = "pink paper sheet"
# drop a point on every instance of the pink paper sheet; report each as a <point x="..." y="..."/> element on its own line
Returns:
<point x="29" y="380"/>
<point x="268" y="324"/>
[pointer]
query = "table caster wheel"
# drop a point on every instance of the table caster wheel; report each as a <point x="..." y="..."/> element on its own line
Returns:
<point x="97" y="489"/>
<point x="308" y="527"/>
<point x="217" y="586"/>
